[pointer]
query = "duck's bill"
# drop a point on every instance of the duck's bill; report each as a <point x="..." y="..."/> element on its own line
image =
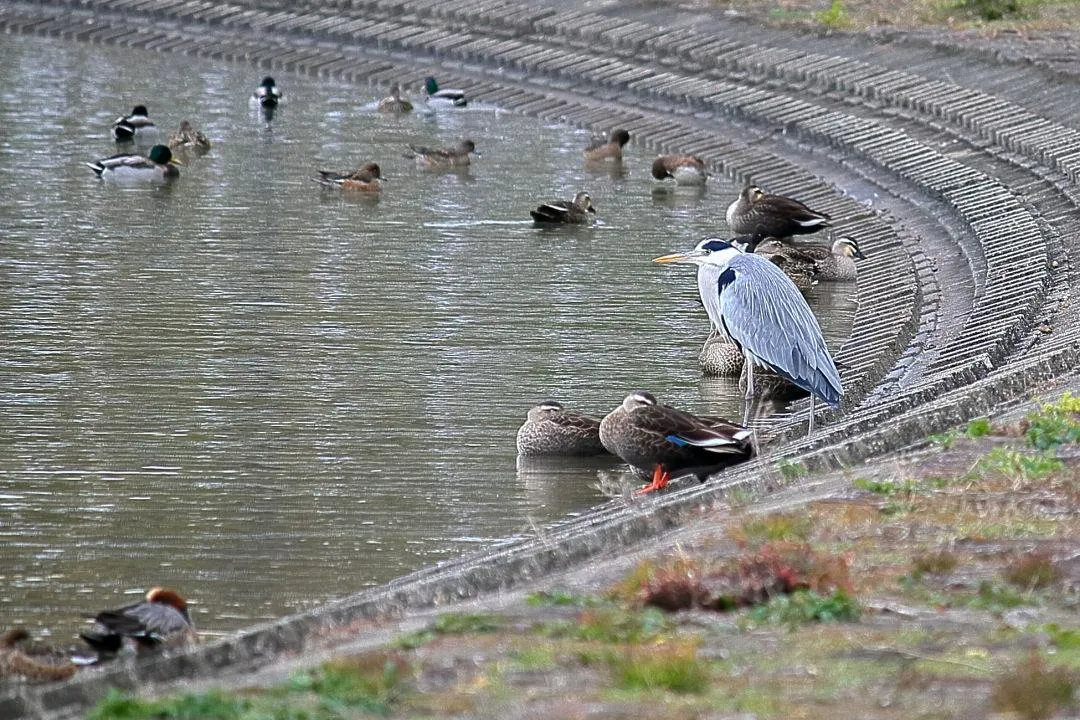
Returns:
<point x="175" y="161"/>
<point x="681" y="257"/>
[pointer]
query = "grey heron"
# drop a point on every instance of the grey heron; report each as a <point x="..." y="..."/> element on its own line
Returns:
<point x="754" y="304"/>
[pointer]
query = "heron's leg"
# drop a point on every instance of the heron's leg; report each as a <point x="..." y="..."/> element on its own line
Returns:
<point x="810" y="427"/>
<point x="748" y="368"/>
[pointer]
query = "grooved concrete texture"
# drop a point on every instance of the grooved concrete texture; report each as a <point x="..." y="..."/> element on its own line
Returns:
<point x="967" y="301"/>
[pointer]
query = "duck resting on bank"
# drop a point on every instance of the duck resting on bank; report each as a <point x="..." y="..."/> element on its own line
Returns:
<point x="772" y="215"/>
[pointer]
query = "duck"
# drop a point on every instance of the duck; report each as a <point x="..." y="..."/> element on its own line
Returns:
<point x="661" y="442"/>
<point x="579" y="211"/>
<point x="395" y="103"/>
<point x="835" y="263"/>
<point x="368" y="178"/>
<point x="161" y="620"/>
<point x="609" y="149"/>
<point x="127" y="127"/>
<point x="719" y="357"/>
<point x="683" y="169"/>
<point x="21" y="656"/>
<point x="774" y="215"/>
<point x="443" y="158"/>
<point x="158" y="166"/>
<point x="800" y="268"/>
<point x="267" y="94"/>
<point x="188" y="138"/>
<point x="445" y="96"/>
<point x="551" y="429"/>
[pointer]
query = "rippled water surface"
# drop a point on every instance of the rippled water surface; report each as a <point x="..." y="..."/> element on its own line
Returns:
<point x="266" y="394"/>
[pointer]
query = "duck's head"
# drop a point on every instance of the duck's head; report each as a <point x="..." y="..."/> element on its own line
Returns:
<point x="638" y="399"/>
<point x="710" y="251"/>
<point x="584" y="201"/>
<point x="373" y="169"/>
<point x="659" y="169"/>
<point x="139" y="110"/>
<point x="847" y="246"/>
<point x="753" y="193"/>
<point x="268" y="82"/>
<point x="542" y="409"/>
<point x="769" y="246"/>
<point x="468" y="146"/>
<point x="165" y="596"/>
<point x="430" y="85"/>
<point x="162" y="155"/>
<point x="619" y="135"/>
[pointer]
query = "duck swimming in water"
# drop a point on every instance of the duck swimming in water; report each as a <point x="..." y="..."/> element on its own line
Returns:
<point x="661" y="442"/>
<point x="188" y="139"/>
<point x="368" y="178"/>
<point x="395" y="103"/>
<point x="127" y="127"/>
<point x="446" y="97"/>
<point x="157" y="167"/>
<point x="579" y="211"/>
<point x="683" y="169"/>
<point x="608" y="149"/>
<point x="161" y="620"/>
<point x="443" y="158"/>
<point x="551" y="429"/>
<point x="267" y="95"/>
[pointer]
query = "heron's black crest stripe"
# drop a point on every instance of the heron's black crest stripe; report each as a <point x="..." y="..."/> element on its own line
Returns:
<point x="716" y="245"/>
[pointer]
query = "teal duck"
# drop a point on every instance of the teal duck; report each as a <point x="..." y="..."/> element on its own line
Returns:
<point x="772" y="215"/>
<point x="368" y="178"/>
<point x="661" y="442"/>
<point x="551" y="429"/>
<point x="610" y="148"/>
<point x="683" y="169"/>
<point x="578" y="211"/>
<point x="127" y="128"/>
<point x="443" y="97"/>
<point x="161" y="620"/>
<point x="395" y="103"/>
<point x="443" y="158"/>
<point x="159" y="166"/>
<point x="187" y="138"/>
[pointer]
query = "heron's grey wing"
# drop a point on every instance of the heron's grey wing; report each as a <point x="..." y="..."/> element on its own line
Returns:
<point x="763" y="311"/>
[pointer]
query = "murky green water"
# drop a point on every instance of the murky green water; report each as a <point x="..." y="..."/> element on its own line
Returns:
<point x="266" y="394"/>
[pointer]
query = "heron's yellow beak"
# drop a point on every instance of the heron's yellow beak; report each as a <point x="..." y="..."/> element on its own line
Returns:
<point x="679" y="257"/>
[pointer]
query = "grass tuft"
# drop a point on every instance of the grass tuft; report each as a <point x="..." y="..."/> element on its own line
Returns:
<point x="1033" y="572"/>
<point x="934" y="563"/>
<point x="759" y="530"/>
<point x="450" y="624"/>
<point x="670" y="666"/>
<point x="1034" y="691"/>
<point x="806" y="606"/>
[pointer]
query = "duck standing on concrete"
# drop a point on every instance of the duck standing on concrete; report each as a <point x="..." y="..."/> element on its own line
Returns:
<point x="551" y="429"/>
<point x="609" y="149"/>
<point x="579" y="211"/>
<point x="127" y="128"/>
<point x="772" y="215"/>
<point x="661" y="442"/>
<point x="368" y="178"/>
<point x="161" y="620"/>
<point x="683" y="169"/>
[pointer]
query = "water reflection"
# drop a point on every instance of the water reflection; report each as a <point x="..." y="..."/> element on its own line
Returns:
<point x="268" y="394"/>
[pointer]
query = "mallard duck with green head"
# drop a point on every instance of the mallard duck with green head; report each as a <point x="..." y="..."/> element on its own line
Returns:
<point x="444" y="97"/>
<point x="551" y="429"/>
<point x="158" y="166"/>
<point x="661" y="442"/>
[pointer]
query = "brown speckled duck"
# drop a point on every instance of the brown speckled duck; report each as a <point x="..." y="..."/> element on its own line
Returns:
<point x="368" y="179"/>
<point x="551" y="429"/>
<point x="395" y="104"/>
<point x="661" y="442"/>
<point x="834" y="262"/>
<point x="773" y="215"/>
<point x="579" y="211"/>
<point x="609" y="149"/>
<point x="457" y="156"/>
<point x="188" y="138"/>
<point x="683" y="169"/>
<point x="22" y="657"/>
